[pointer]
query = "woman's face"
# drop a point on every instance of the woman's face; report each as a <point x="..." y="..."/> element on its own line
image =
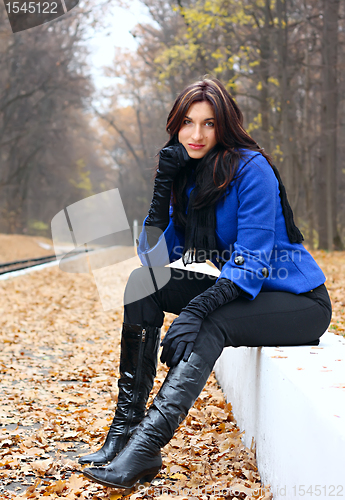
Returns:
<point x="197" y="132"/>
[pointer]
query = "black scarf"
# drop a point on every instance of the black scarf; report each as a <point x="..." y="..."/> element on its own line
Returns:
<point x="200" y="234"/>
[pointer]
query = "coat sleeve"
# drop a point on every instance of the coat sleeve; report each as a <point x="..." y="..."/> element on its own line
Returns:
<point x="168" y="248"/>
<point x="257" y="191"/>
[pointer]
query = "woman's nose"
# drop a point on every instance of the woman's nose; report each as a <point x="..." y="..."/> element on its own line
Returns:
<point x="197" y="133"/>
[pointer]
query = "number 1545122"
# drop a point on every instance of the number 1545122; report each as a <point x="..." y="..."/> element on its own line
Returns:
<point x="317" y="490"/>
<point x="32" y="7"/>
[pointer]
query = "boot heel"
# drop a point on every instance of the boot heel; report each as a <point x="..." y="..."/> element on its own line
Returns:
<point x="149" y="477"/>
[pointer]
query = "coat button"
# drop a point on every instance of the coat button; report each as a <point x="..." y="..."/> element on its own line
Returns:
<point x="239" y="260"/>
<point x="265" y="272"/>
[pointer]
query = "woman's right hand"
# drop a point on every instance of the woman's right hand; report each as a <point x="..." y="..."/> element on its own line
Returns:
<point x="172" y="159"/>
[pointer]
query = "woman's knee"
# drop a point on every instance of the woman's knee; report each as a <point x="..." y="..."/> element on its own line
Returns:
<point x="149" y="279"/>
<point x="141" y="304"/>
<point x="131" y="288"/>
<point x="136" y="275"/>
<point x="139" y="285"/>
<point x="145" y="281"/>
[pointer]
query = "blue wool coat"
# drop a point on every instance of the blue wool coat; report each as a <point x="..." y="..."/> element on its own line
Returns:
<point x="251" y="236"/>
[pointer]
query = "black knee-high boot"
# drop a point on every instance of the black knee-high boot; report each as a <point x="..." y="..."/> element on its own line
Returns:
<point x="141" y="458"/>
<point x="138" y="363"/>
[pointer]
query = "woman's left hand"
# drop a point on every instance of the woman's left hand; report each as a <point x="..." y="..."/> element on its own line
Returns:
<point x="179" y="340"/>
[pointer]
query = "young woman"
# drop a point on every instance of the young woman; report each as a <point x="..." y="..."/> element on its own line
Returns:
<point x="216" y="196"/>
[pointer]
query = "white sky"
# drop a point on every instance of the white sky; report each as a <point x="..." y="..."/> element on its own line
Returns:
<point x="102" y="45"/>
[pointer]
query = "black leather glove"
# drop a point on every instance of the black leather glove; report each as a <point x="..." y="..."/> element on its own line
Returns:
<point x="179" y="340"/>
<point x="171" y="160"/>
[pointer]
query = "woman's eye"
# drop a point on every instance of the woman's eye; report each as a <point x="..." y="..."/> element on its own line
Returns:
<point x="210" y="124"/>
<point x="185" y="122"/>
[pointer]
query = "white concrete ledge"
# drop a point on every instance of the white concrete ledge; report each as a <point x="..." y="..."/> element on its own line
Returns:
<point x="292" y="401"/>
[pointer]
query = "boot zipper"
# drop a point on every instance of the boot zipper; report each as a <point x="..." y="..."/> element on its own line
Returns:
<point x="137" y="381"/>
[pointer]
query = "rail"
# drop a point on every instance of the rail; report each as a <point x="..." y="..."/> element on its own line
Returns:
<point x="17" y="265"/>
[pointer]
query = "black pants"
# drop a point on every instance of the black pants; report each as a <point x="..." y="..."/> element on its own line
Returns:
<point x="271" y="319"/>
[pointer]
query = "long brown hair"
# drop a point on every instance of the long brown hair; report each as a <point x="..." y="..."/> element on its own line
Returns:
<point x="219" y="166"/>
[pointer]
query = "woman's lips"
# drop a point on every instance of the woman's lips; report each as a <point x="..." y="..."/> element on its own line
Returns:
<point x="196" y="146"/>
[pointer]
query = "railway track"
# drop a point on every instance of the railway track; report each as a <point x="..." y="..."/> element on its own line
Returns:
<point x="18" y="265"/>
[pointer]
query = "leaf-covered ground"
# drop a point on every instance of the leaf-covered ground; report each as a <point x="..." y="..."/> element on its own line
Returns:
<point x="59" y="367"/>
<point x="18" y="247"/>
<point x="333" y="266"/>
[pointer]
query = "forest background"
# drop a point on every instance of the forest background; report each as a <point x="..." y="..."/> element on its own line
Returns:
<point x="282" y="60"/>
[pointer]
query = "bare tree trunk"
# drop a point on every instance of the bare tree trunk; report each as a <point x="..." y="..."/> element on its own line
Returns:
<point x="307" y="171"/>
<point x="286" y="102"/>
<point x="264" y="74"/>
<point x="328" y="234"/>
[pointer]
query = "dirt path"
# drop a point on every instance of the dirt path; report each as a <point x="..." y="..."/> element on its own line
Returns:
<point x="18" y="247"/>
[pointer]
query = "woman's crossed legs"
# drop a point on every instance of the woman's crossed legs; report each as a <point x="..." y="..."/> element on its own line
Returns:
<point x="271" y="319"/>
